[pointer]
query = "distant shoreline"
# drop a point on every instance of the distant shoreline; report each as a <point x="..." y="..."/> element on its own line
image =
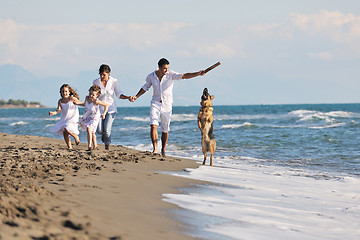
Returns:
<point x="11" y="106"/>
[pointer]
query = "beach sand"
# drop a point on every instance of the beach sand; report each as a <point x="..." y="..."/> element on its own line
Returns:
<point x="49" y="192"/>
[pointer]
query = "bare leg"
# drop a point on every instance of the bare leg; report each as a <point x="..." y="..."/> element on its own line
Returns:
<point x="94" y="141"/>
<point x="67" y="139"/>
<point x="76" y="137"/>
<point x="154" y="138"/>
<point x="89" y="137"/>
<point x="164" y="139"/>
<point x="211" y="159"/>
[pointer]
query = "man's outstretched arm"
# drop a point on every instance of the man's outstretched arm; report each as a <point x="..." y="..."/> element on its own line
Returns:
<point x="194" y="74"/>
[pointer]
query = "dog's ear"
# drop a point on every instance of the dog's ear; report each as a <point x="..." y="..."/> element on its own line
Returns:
<point x="212" y="97"/>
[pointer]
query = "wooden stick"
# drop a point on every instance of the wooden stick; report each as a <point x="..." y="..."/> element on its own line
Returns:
<point x="212" y="67"/>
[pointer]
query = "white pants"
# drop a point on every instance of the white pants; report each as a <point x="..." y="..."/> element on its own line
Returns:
<point x="158" y="113"/>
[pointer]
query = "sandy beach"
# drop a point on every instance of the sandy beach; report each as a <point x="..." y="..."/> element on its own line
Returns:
<point x="49" y="192"/>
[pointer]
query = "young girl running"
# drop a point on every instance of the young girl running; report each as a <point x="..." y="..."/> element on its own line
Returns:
<point x="68" y="124"/>
<point x="91" y="116"/>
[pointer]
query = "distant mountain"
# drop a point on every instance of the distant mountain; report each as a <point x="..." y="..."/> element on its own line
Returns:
<point x="15" y="80"/>
<point x="18" y="83"/>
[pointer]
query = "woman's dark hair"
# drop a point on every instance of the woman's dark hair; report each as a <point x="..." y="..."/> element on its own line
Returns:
<point x="163" y="62"/>
<point x="104" y="68"/>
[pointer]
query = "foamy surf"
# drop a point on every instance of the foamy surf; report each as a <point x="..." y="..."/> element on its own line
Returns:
<point x="262" y="202"/>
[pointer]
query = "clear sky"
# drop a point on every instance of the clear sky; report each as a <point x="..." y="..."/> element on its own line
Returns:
<point x="272" y="52"/>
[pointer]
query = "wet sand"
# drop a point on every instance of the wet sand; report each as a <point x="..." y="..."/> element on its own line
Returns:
<point x="49" y="192"/>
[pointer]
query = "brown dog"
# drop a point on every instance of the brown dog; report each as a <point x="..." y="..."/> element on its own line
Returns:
<point x="205" y="123"/>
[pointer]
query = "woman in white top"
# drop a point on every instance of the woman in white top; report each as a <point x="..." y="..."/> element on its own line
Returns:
<point x="109" y="88"/>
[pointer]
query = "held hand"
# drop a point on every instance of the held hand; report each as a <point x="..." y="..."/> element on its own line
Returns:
<point x="202" y="72"/>
<point x="103" y="116"/>
<point x="132" y="98"/>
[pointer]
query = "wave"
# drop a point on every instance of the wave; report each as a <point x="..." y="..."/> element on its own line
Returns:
<point x="174" y="118"/>
<point x="330" y="118"/>
<point x="52" y="118"/>
<point x="141" y="128"/>
<point x="232" y="126"/>
<point x="18" y="123"/>
<point x="305" y="115"/>
<point x="342" y="114"/>
<point x="248" y="117"/>
<point x="137" y="119"/>
<point x="328" y="126"/>
<point x="183" y="117"/>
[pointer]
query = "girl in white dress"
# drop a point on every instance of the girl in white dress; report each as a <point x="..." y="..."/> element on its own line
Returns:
<point x="68" y="124"/>
<point x="91" y="116"/>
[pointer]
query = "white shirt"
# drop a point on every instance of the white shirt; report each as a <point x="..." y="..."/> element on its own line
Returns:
<point x="163" y="90"/>
<point x="107" y="93"/>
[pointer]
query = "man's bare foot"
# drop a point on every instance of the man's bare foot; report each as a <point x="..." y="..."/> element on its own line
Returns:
<point x="163" y="153"/>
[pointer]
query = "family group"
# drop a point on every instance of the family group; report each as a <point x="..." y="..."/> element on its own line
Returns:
<point x="100" y="106"/>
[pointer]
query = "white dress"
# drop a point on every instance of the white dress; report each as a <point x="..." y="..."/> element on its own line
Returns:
<point x="69" y="119"/>
<point x="91" y="117"/>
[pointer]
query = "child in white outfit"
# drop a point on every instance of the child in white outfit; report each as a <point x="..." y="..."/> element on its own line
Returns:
<point x="68" y="124"/>
<point x="91" y="116"/>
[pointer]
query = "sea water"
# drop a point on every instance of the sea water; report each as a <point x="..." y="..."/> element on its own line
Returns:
<point x="280" y="171"/>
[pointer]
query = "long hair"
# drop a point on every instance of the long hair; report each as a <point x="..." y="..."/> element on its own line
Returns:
<point x="72" y="91"/>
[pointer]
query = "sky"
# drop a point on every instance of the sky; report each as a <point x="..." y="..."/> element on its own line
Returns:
<point x="271" y="52"/>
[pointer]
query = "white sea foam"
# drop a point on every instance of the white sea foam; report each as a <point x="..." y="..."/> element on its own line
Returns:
<point x="222" y="117"/>
<point x="328" y="126"/>
<point x="262" y="202"/>
<point x="306" y="115"/>
<point x="232" y="126"/>
<point x="342" y="114"/>
<point x="174" y="118"/>
<point x="183" y="117"/>
<point x="137" y="119"/>
<point x="18" y="123"/>
<point x="141" y="128"/>
<point x="53" y="118"/>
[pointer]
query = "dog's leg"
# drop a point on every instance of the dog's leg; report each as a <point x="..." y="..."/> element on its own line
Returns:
<point x="212" y="150"/>
<point x="204" y="158"/>
<point x="199" y="123"/>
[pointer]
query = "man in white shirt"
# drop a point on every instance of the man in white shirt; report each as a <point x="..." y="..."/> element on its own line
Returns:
<point x="162" y="81"/>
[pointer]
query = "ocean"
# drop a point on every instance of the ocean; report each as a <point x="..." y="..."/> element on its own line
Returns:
<point x="280" y="171"/>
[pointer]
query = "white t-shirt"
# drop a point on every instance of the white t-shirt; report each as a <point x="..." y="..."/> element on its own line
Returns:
<point x="163" y="90"/>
